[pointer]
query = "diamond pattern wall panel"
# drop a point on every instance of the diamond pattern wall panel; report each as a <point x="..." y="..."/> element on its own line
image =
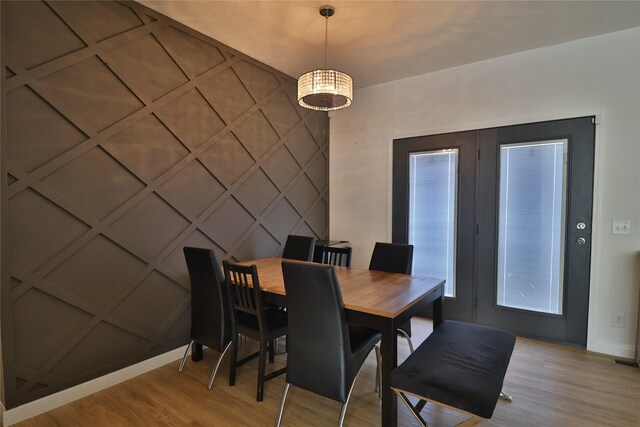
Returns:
<point x="31" y="146"/>
<point x="228" y="96"/>
<point x="257" y="192"/>
<point x="128" y="137"/>
<point x="193" y="55"/>
<point x="90" y="90"/>
<point x="38" y="34"/>
<point x="281" y="167"/>
<point x="149" y="227"/>
<point x="228" y="223"/>
<point x="53" y="323"/>
<point x="147" y="147"/>
<point x="191" y="119"/>
<point x="227" y="159"/>
<point x="175" y="260"/>
<point x="99" y="272"/>
<point x="106" y="186"/>
<point x="192" y="189"/>
<point x="155" y="290"/>
<point x="256" y="134"/>
<point x="116" y="18"/>
<point x="141" y="60"/>
<point x="39" y="229"/>
<point x="257" y="79"/>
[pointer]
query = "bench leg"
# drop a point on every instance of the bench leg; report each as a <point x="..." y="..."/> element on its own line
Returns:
<point x="414" y="411"/>
<point x="471" y="422"/>
<point x="505" y="396"/>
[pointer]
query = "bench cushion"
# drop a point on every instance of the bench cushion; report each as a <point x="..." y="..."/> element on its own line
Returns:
<point x="461" y="365"/>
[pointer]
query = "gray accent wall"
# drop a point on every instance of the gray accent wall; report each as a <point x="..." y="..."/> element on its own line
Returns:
<point x="127" y="136"/>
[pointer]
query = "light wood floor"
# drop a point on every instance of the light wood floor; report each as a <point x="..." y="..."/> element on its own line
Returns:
<point x="551" y="385"/>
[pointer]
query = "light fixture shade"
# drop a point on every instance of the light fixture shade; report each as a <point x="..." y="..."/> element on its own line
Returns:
<point x="325" y="90"/>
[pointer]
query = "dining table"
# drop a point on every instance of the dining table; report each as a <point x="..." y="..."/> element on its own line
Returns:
<point x="374" y="299"/>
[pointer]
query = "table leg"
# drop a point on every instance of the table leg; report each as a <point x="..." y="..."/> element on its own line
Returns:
<point x="389" y="361"/>
<point x="196" y="352"/>
<point x="438" y="306"/>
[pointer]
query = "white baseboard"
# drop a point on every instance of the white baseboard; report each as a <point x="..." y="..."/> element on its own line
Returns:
<point x="624" y="351"/>
<point x="47" y="403"/>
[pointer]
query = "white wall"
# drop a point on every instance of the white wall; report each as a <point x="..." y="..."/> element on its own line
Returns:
<point x="598" y="75"/>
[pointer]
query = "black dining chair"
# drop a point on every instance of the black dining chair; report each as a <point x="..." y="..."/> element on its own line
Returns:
<point x="250" y="318"/>
<point x="299" y="248"/>
<point x="394" y="258"/>
<point x="336" y="256"/>
<point x="210" y="310"/>
<point x="326" y="354"/>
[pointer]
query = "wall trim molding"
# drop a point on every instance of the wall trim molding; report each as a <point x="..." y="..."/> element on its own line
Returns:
<point x="617" y="350"/>
<point x="53" y="401"/>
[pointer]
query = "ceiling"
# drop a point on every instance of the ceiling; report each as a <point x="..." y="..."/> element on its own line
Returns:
<point x="380" y="41"/>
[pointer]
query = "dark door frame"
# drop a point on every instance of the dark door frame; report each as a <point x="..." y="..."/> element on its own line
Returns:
<point x="401" y="149"/>
<point x="460" y="306"/>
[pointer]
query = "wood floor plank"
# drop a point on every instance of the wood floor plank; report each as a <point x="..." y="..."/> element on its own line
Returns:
<point x="552" y="385"/>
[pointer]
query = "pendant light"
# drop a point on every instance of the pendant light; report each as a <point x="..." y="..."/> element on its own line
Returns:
<point x="325" y="89"/>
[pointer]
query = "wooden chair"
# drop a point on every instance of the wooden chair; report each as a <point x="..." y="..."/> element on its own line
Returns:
<point x="336" y="256"/>
<point x="251" y="319"/>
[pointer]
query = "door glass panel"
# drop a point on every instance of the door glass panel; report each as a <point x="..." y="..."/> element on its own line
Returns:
<point x="433" y="186"/>
<point x="531" y="225"/>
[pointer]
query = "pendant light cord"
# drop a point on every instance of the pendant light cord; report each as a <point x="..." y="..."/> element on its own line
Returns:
<point x="326" y="33"/>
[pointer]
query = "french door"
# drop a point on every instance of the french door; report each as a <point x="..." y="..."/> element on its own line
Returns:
<point x="504" y="214"/>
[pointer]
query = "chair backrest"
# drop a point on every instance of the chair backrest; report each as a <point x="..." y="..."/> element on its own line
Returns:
<point x="392" y="258"/>
<point x="210" y="311"/>
<point x="299" y="248"/>
<point x="336" y="256"/>
<point x="243" y="288"/>
<point x="318" y="333"/>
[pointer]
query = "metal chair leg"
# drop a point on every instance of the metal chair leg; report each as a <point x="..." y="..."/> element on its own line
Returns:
<point x="184" y="358"/>
<point x="505" y="396"/>
<point x="284" y="398"/>
<point x="215" y="369"/>
<point x="378" y="372"/>
<point x="408" y="338"/>
<point x="343" y="410"/>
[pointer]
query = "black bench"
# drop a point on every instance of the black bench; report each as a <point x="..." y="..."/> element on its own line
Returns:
<point x="460" y="366"/>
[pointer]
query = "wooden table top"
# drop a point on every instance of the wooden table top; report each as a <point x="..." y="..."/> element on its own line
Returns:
<point x="368" y="291"/>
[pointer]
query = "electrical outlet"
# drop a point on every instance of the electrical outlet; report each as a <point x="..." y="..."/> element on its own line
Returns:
<point x="620" y="227"/>
<point x="618" y="320"/>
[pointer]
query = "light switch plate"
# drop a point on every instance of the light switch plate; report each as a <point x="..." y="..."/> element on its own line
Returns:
<point x="620" y="226"/>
